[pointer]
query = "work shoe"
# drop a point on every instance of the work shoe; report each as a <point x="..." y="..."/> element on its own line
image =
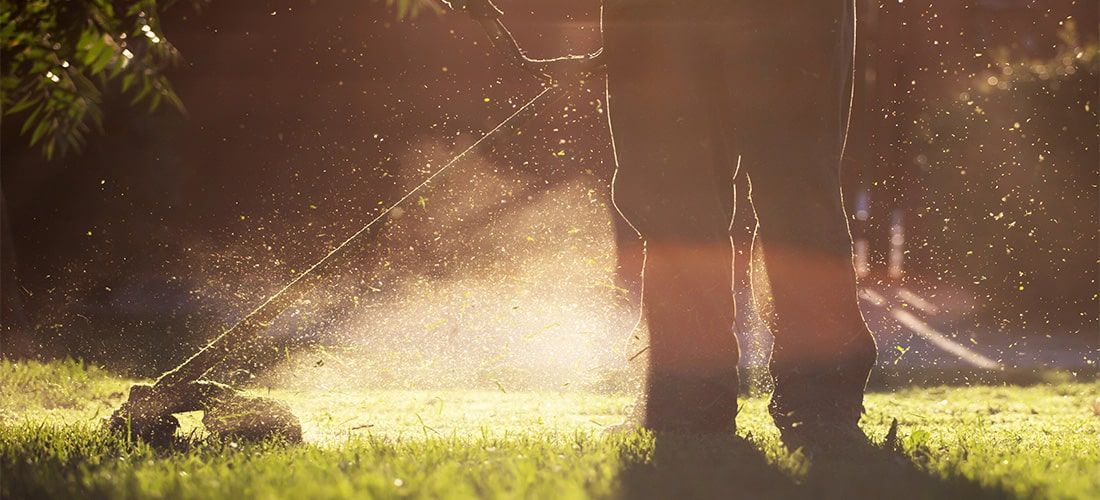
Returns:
<point x="825" y="438"/>
<point x="812" y="417"/>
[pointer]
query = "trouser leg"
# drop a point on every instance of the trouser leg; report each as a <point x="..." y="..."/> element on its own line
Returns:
<point x="673" y="184"/>
<point x="823" y="351"/>
<point x="794" y="128"/>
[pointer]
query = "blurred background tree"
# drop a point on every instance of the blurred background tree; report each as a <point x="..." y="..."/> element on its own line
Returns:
<point x="1007" y="192"/>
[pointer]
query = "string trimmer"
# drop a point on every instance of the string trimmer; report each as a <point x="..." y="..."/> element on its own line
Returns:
<point x="148" y="413"/>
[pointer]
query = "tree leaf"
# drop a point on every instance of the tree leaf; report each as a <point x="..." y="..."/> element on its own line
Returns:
<point x="40" y="131"/>
<point x="128" y="80"/>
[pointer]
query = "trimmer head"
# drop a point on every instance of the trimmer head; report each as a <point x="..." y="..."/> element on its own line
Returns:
<point x="148" y="414"/>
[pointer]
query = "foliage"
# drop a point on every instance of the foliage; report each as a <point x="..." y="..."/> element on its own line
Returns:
<point x="1071" y="56"/>
<point x="60" y="58"/>
<point x="965" y="442"/>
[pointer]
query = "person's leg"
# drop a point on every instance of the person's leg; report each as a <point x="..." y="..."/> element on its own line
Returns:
<point x="673" y="184"/>
<point x="793" y="122"/>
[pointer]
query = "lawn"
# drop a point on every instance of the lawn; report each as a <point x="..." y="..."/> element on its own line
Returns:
<point x="970" y="442"/>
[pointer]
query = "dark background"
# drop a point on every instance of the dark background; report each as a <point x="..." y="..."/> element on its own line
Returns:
<point x="303" y="116"/>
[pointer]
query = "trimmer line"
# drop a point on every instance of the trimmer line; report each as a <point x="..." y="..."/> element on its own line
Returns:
<point x="265" y="313"/>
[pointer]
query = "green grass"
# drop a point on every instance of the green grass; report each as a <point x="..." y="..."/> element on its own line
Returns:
<point x="1033" y="442"/>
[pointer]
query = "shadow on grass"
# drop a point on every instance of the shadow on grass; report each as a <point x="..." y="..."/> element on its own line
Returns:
<point x="693" y="467"/>
<point x="684" y="467"/>
<point x="869" y="471"/>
